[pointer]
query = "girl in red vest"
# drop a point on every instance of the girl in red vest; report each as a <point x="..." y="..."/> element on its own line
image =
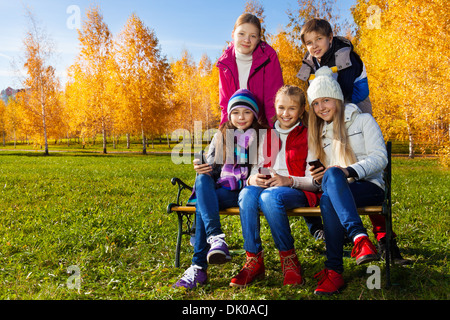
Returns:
<point x="249" y="63"/>
<point x="284" y="152"/>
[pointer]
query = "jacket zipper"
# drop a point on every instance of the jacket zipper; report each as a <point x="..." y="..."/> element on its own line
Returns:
<point x="229" y="69"/>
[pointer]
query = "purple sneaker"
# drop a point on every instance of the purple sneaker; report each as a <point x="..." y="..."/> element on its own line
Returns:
<point x="192" y="277"/>
<point x="218" y="253"/>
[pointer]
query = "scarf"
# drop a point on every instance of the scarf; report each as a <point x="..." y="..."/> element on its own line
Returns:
<point x="234" y="175"/>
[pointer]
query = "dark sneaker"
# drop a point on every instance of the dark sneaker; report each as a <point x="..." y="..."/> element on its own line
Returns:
<point x="395" y="256"/>
<point x="218" y="253"/>
<point x="192" y="277"/>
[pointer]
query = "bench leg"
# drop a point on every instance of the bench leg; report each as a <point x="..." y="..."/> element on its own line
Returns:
<point x="180" y="233"/>
<point x="388" y="249"/>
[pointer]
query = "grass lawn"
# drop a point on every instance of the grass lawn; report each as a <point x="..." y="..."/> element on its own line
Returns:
<point x="104" y="215"/>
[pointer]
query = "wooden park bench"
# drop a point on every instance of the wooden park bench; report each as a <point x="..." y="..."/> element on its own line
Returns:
<point x="186" y="214"/>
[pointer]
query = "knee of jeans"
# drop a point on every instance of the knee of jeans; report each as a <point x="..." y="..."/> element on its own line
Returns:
<point x="268" y="199"/>
<point x="202" y="178"/>
<point x="248" y="196"/>
<point x="332" y="175"/>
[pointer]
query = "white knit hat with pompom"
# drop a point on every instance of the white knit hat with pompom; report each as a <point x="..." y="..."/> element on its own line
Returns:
<point x="324" y="86"/>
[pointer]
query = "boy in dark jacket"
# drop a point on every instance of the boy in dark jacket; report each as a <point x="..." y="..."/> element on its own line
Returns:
<point x="336" y="53"/>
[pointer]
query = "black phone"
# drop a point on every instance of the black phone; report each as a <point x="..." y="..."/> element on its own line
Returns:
<point x="316" y="164"/>
<point x="266" y="172"/>
<point x="200" y="156"/>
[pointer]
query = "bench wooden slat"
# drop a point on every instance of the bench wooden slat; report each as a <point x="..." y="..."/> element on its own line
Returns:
<point x="297" y="212"/>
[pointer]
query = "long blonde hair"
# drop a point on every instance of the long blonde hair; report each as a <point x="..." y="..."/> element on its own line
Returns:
<point x="342" y="153"/>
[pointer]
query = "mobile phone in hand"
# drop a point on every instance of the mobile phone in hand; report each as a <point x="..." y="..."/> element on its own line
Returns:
<point x="200" y="156"/>
<point x="316" y="164"/>
<point x="266" y="172"/>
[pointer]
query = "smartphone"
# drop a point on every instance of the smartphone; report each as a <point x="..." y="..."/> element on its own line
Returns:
<point x="266" y="172"/>
<point x="316" y="164"/>
<point x="200" y="156"/>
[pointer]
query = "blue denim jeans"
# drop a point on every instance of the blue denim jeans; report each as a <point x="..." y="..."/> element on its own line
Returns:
<point x="338" y="206"/>
<point x="273" y="202"/>
<point x="207" y="222"/>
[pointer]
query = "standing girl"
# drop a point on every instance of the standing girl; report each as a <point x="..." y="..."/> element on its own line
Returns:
<point x="285" y="153"/>
<point x="351" y="146"/>
<point x="217" y="185"/>
<point x="249" y="63"/>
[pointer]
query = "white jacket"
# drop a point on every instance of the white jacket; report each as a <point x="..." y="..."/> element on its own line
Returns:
<point x="366" y="141"/>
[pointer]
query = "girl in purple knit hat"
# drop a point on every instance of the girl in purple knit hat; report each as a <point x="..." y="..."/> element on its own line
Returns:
<point x="219" y="182"/>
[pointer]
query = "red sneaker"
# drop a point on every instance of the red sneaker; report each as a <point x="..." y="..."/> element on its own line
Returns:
<point x="364" y="251"/>
<point x="292" y="270"/>
<point x="253" y="269"/>
<point x="330" y="282"/>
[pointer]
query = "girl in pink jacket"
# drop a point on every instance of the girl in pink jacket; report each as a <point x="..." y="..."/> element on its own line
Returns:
<point x="249" y="63"/>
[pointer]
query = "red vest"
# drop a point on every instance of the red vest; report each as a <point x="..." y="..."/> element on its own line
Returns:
<point x="296" y="154"/>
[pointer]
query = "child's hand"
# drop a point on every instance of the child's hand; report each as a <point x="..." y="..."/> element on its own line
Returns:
<point x="279" y="181"/>
<point x="317" y="174"/>
<point x="258" y="180"/>
<point x="202" y="168"/>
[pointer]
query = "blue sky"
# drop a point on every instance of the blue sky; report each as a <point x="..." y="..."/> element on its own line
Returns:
<point x="200" y="26"/>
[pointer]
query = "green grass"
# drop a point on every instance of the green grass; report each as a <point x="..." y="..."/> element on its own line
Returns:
<point x="106" y="215"/>
<point x="158" y="145"/>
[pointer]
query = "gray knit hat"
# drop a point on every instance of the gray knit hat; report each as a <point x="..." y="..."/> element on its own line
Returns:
<point x="324" y="86"/>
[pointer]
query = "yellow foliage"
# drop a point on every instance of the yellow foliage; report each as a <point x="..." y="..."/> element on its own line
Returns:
<point x="405" y="45"/>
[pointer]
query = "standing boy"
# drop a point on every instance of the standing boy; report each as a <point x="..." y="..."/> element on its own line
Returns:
<point x="336" y="53"/>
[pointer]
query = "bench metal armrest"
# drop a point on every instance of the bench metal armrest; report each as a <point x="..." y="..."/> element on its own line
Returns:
<point x="181" y="187"/>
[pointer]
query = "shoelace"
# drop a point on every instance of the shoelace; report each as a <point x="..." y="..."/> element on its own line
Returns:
<point x="189" y="275"/>
<point x="216" y="241"/>
<point x="358" y="247"/>
<point x="322" y="276"/>
<point x="251" y="263"/>
<point x="289" y="263"/>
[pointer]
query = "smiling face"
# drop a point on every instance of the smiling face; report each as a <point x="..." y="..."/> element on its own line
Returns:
<point x="241" y="118"/>
<point x="246" y="37"/>
<point x="325" y="108"/>
<point x="288" y="111"/>
<point x="317" y="44"/>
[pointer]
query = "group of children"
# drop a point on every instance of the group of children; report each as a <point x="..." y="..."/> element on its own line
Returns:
<point x="338" y="130"/>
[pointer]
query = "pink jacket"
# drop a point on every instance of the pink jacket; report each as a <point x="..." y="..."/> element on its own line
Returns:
<point x="264" y="80"/>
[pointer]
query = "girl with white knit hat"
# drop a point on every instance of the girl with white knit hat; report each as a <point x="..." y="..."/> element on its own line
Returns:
<point x="351" y="146"/>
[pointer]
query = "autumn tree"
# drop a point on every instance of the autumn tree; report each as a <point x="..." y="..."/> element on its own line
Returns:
<point x="404" y="44"/>
<point x="90" y="72"/>
<point x="3" y="120"/>
<point x="185" y="93"/>
<point x="290" y="54"/>
<point x="308" y="9"/>
<point x="143" y="74"/>
<point x="12" y="116"/>
<point x="41" y="112"/>
<point x="209" y="95"/>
